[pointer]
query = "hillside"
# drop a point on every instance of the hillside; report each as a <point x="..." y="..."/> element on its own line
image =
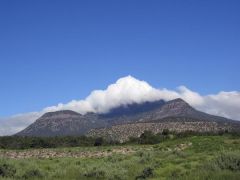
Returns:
<point x="176" y="115"/>
<point x="122" y="132"/>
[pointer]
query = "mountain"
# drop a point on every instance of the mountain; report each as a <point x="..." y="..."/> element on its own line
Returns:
<point x="62" y="123"/>
<point x="175" y="115"/>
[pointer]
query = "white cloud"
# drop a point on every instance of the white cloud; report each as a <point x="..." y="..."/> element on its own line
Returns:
<point x="125" y="91"/>
<point x="129" y="90"/>
<point x="17" y="123"/>
<point x="225" y="104"/>
<point x="191" y="97"/>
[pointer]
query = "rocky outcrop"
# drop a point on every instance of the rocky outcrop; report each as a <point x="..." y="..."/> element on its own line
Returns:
<point x="60" y="153"/>
<point x="123" y="132"/>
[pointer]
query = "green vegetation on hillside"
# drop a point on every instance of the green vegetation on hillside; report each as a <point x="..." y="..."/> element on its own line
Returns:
<point x="191" y="157"/>
<point x="18" y="142"/>
<point x="21" y="142"/>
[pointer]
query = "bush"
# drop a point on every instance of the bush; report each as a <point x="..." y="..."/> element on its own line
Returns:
<point x="165" y="132"/>
<point x="17" y="142"/>
<point x="228" y="161"/>
<point x="149" y="138"/>
<point x="133" y="140"/>
<point x="147" y="172"/>
<point x="33" y="173"/>
<point x="7" y="170"/>
<point x="98" y="142"/>
<point x="225" y="166"/>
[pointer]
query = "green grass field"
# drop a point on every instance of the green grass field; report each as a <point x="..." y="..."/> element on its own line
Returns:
<point x="196" y="157"/>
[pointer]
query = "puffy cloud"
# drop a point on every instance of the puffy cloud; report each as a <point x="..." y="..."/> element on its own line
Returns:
<point x="129" y="90"/>
<point x="225" y="104"/>
<point x="191" y="97"/>
<point x="126" y="90"/>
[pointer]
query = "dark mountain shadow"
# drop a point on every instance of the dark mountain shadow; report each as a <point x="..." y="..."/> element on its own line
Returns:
<point x="133" y="109"/>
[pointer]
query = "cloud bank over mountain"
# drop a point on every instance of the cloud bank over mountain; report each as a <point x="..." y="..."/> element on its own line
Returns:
<point x="129" y="90"/>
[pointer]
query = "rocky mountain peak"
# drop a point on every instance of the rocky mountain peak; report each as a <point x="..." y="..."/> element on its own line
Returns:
<point x="176" y="107"/>
<point x="178" y="102"/>
<point x="68" y="122"/>
<point x="59" y="113"/>
<point x="59" y="116"/>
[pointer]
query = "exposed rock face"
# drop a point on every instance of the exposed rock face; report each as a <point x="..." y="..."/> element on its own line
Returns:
<point x="64" y="123"/>
<point x="50" y="153"/>
<point x="177" y="107"/>
<point x="122" y="133"/>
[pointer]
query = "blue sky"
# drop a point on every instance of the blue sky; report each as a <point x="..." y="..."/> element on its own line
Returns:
<point x="56" y="51"/>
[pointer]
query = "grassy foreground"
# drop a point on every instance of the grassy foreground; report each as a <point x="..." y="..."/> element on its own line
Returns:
<point x="196" y="157"/>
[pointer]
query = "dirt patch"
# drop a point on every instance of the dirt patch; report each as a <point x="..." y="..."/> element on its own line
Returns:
<point x="47" y="153"/>
<point x="178" y="147"/>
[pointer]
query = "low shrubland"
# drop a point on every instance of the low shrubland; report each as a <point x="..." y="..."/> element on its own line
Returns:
<point x="188" y="157"/>
<point x="18" y="142"/>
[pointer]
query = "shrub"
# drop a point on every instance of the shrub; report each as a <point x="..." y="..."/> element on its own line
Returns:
<point x="98" y="142"/>
<point x="225" y="166"/>
<point x="17" y="142"/>
<point x="146" y="173"/>
<point x="7" y="170"/>
<point x="148" y="138"/>
<point x="133" y="140"/>
<point x="33" y="173"/>
<point x="165" y="132"/>
<point x="228" y="161"/>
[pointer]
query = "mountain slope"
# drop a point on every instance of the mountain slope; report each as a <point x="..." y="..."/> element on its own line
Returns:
<point x="63" y="123"/>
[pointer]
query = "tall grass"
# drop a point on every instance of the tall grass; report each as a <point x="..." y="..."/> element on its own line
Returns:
<point x="218" y="158"/>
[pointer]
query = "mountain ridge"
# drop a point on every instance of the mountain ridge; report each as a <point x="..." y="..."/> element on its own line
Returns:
<point x="67" y="122"/>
